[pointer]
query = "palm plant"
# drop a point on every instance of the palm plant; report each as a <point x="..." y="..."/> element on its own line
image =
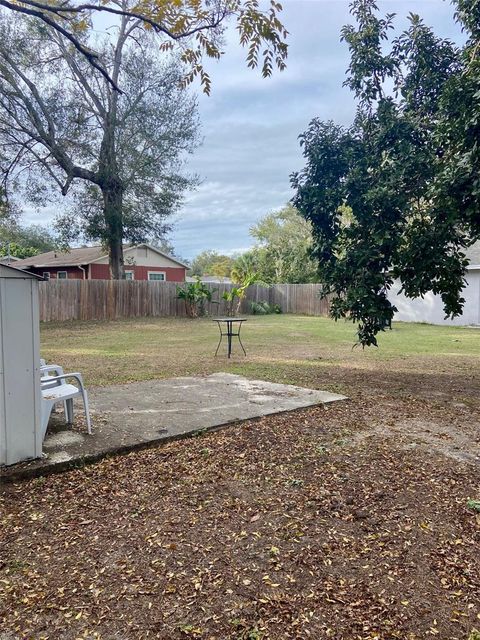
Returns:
<point x="235" y="296"/>
<point x="195" y="294"/>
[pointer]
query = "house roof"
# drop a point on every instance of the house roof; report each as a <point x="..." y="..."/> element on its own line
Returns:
<point x="79" y="256"/>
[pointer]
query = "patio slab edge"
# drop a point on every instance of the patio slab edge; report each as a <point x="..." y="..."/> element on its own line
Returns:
<point x="11" y="474"/>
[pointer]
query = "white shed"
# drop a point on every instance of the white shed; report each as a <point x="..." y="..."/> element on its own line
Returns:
<point x="20" y="398"/>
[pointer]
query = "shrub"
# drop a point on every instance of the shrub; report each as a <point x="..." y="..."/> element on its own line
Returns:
<point x="264" y="308"/>
<point x="195" y="294"/>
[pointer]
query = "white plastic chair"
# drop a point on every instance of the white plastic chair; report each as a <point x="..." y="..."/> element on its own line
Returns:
<point x="48" y="372"/>
<point x="56" y="389"/>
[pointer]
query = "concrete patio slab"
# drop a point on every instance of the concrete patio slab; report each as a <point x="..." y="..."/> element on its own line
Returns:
<point x="142" y="414"/>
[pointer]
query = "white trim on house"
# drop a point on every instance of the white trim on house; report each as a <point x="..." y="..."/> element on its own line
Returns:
<point x="157" y="273"/>
<point x="46" y="275"/>
<point x="130" y="272"/>
<point x="148" y="246"/>
<point x="63" y="277"/>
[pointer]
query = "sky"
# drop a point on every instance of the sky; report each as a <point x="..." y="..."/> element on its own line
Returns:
<point x="250" y="125"/>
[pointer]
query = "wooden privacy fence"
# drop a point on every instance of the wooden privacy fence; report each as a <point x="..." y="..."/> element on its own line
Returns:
<point x="110" y="299"/>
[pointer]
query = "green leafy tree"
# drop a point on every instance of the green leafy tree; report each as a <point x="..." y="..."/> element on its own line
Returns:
<point x="22" y="242"/>
<point x="235" y="296"/>
<point x="3" y="206"/>
<point x="211" y="263"/>
<point x="194" y="26"/>
<point x="407" y="169"/>
<point x="284" y="245"/>
<point x="195" y="295"/>
<point x="221" y="267"/>
<point x="244" y="265"/>
<point x="65" y="128"/>
<point x="62" y="104"/>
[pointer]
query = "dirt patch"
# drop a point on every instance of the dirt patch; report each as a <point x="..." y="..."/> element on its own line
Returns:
<point x="315" y="524"/>
<point x="446" y="439"/>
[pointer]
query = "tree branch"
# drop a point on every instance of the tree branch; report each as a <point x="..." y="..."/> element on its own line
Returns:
<point x="90" y="55"/>
<point x="63" y="11"/>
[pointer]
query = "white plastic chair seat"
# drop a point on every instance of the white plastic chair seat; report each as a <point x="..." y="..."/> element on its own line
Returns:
<point x="56" y="389"/>
<point x="59" y="393"/>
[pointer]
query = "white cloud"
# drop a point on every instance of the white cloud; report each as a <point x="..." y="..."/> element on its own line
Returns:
<point x="251" y="125"/>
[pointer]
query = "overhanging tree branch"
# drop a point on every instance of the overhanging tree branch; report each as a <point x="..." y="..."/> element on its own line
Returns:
<point x="180" y="21"/>
<point x="90" y="55"/>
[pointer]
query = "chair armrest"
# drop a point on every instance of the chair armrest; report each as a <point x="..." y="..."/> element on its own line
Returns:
<point x="45" y="368"/>
<point x="77" y="376"/>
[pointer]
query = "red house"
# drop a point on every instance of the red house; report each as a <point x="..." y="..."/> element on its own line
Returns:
<point x="142" y="262"/>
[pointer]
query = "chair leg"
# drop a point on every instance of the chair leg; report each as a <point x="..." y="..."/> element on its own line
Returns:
<point x="69" y="411"/>
<point x="87" y="411"/>
<point x="45" y="416"/>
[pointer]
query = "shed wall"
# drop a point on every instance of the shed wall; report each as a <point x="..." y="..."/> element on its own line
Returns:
<point x="19" y="371"/>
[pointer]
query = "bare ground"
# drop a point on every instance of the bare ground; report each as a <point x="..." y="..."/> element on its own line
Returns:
<point x="347" y="522"/>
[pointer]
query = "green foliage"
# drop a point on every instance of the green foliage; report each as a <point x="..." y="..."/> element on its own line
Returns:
<point x="211" y="263"/>
<point x="281" y="254"/>
<point x="284" y="245"/>
<point x="244" y="265"/>
<point x="407" y="169"/>
<point x="235" y="295"/>
<point x="259" y="29"/>
<point x="263" y="308"/>
<point x="23" y="242"/>
<point x="474" y="505"/>
<point x="120" y="156"/>
<point x="4" y="210"/>
<point x="17" y="251"/>
<point x="195" y="295"/>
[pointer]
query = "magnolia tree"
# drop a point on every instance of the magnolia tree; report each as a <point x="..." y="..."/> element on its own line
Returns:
<point x="407" y="169"/>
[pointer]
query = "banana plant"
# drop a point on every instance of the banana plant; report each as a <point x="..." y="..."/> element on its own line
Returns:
<point x="195" y="295"/>
<point x="236" y="295"/>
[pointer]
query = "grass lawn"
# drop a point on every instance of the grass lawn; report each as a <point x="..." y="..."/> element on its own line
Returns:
<point x="347" y="522"/>
<point x="294" y="349"/>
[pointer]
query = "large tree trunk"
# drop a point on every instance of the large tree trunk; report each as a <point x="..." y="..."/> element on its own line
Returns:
<point x="112" y="211"/>
<point x="112" y="191"/>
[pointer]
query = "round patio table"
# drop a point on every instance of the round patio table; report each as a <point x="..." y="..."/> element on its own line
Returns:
<point x="228" y="324"/>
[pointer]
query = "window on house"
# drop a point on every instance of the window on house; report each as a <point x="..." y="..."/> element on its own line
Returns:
<point x="156" y="275"/>
<point x="46" y="275"/>
<point x="129" y="275"/>
<point x="62" y="275"/>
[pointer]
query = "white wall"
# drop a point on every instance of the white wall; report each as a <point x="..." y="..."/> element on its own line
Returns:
<point x="20" y="436"/>
<point x="144" y="257"/>
<point x="430" y="308"/>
